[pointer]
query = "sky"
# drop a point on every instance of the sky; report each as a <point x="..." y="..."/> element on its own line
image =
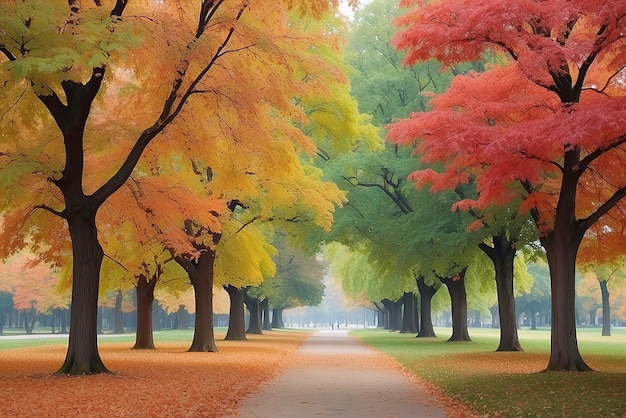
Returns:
<point x="345" y="9"/>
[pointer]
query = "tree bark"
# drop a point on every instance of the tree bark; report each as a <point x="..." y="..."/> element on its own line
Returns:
<point x="561" y="246"/>
<point x="395" y="315"/>
<point x="409" y="315"/>
<point x="144" y="289"/>
<point x="387" y="306"/>
<point x="502" y="255"/>
<point x="82" y="352"/>
<point x="606" y="309"/>
<point x="458" y="299"/>
<point x="236" y="318"/>
<point x="156" y="317"/>
<point x="201" y="277"/>
<point x="254" y="326"/>
<point x="277" y="318"/>
<point x="426" y="320"/>
<point x="265" y="311"/>
<point x="532" y="316"/>
<point x="592" y="317"/>
<point x="119" y="325"/>
<point x="29" y="324"/>
<point x="182" y="318"/>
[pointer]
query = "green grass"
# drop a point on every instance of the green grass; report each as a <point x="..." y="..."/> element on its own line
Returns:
<point x="493" y="384"/>
<point x="511" y="384"/>
<point x="44" y="339"/>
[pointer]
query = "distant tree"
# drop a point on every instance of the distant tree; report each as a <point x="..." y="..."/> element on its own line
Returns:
<point x="537" y="300"/>
<point x="6" y="305"/>
<point x="599" y="278"/>
<point x="298" y="280"/>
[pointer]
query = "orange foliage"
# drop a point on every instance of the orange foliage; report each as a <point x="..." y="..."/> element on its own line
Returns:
<point x="32" y="283"/>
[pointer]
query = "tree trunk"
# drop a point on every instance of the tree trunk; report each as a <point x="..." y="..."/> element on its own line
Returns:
<point x="606" y="309"/>
<point x="458" y="299"/>
<point x="426" y="320"/>
<point x="532" y="316"/>
<point x="254" y="327"/>
<point x="144" y="289"/>
<point x="277" y="318"/>
<point x="409" y="315"/>
<point x="502" y="255"/>
<point x="387" y="305"/>
<point x="182" y="318"/>
<point x="495" y="319"/>
<point x="236" y="318"/>
<point x="119" y="324"/>
<point x="82" y="352"/>
<point x="156" y="317"/>
<point x="395" y="315"/>
<point x="265" y="311"/>
<point x="592" y="317"/>
<point x="561" y="246"/>
<point x="202" y="281"/>
<point x="28" y="324"/>
<point x="61" y="313"/>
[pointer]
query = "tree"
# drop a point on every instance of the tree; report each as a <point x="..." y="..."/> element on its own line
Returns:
<point x="536" y="302"/>
<point x="31" y="287"/>
<point x="144" y="289"/>
<point x="236" y="318"/>
<point x="387" y="90"/>
<point x="6" y="305"/>
<point x="245" y="259"/>
<point x="598" y="278"/>
<point x="298" y="280"/>
<point x="548" y="119"/>
<point x="65" y="69"/>
<point x="252" y="300"/>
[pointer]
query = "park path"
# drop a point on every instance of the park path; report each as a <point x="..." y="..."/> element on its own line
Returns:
<point x="335" y="376"/>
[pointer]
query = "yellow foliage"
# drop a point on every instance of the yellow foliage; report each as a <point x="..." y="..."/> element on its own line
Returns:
<point x="244" y="256"/>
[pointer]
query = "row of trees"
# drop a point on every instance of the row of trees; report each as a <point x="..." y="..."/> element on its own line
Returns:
<point x="518" y="152"/>
<point x="232" y="96"/>
<point x="29" y="295"/>
<point x="248" y="132"/>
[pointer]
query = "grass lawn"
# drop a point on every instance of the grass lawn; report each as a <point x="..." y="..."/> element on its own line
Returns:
<point x="43" y="338"/>
<point x="510" y="384"/>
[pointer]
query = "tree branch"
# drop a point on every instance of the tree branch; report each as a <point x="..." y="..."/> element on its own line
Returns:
<point x="115" y="261"/>
<point x="247" y="223"/>
<point x="585" y="223"/>
<point x="51" y="210"/>
<point x="534" y="212"/>
<point x="598" y="152"/>
<point x="7" y="53"/>
<point x="168" y="114"/>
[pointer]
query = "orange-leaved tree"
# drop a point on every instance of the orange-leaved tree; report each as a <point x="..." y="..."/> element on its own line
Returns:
<point x="34" y="287"/>
<point x="60" y="57"/>
<point x="258" y="168"/>
<point x="543" y="131"/>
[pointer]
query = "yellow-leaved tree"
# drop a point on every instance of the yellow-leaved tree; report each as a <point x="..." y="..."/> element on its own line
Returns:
<point x="87" y="87"/>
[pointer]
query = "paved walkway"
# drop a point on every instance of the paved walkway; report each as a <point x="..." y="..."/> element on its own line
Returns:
<point x="335" y="376"/>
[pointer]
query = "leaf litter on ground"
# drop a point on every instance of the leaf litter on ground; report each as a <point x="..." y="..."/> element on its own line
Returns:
<point x="166" y="382"/>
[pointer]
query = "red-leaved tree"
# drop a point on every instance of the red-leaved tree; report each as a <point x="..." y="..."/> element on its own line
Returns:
<point x="543" y="131"/>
